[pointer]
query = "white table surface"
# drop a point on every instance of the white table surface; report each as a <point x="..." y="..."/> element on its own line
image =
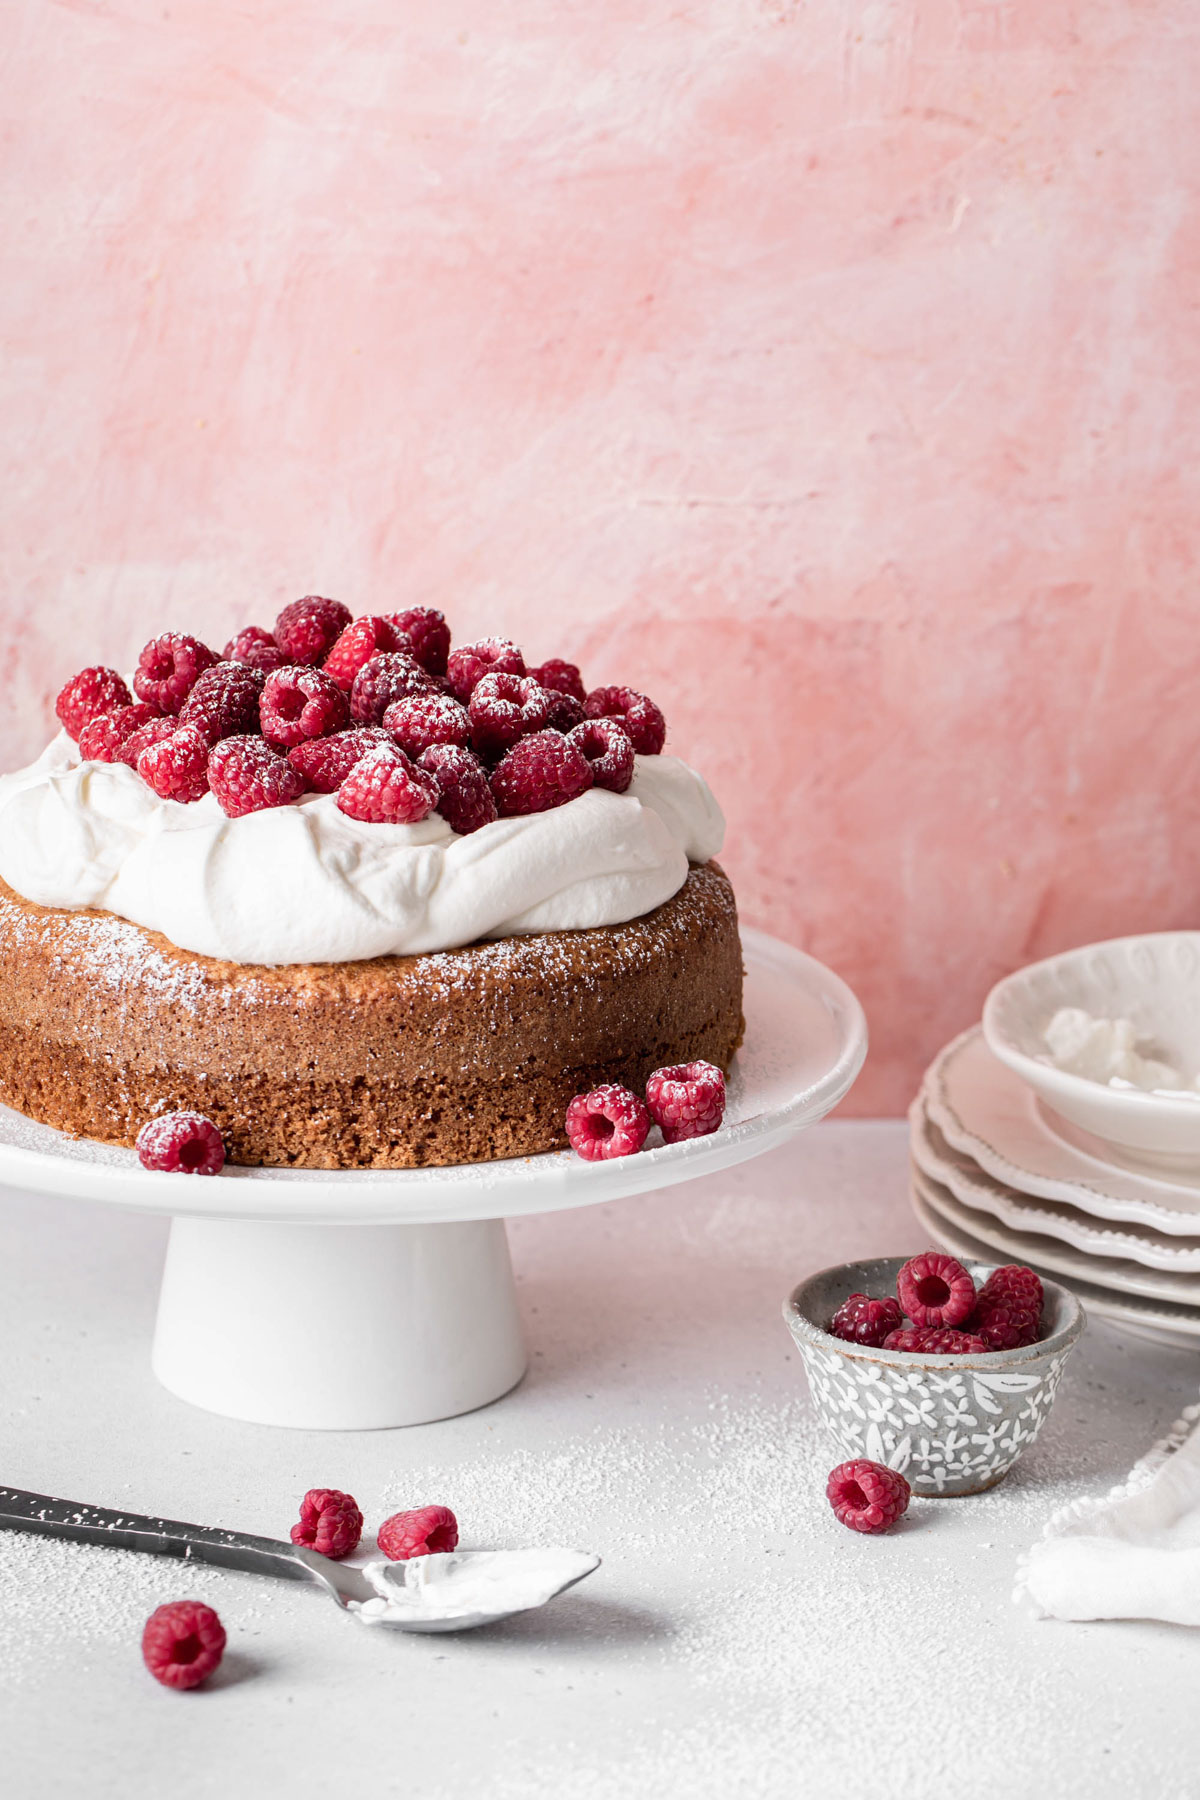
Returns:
<point x="737" y="1640"/>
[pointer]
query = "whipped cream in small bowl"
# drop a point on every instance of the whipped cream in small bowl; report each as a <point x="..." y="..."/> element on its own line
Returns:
<point x="1108" y="1038"/>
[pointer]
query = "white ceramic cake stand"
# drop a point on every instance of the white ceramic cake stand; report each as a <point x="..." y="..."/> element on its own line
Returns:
<point x="349" y="1300"/>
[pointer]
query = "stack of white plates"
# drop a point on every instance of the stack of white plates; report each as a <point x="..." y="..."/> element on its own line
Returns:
<point x="1000" y="1177"/>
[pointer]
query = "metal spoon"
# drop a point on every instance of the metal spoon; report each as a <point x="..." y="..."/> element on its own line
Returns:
<point x="350" y="1588"/>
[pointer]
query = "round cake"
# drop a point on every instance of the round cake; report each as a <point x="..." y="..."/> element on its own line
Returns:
<point x="391" y="1063"/>
<point x="361" y="901"/>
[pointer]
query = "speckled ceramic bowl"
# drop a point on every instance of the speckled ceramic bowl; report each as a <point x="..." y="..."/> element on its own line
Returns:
<point x="951" y="1424"/>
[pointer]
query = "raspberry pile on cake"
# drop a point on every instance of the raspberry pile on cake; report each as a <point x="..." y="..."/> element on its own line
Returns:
<point x="359" y="895"/>
<point x="366" y="708"/>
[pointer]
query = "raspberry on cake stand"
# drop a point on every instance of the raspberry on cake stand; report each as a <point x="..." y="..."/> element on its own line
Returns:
<point x="351" y="1300"/>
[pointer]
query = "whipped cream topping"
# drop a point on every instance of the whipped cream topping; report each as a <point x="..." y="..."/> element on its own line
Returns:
<point x="304" y="883"/>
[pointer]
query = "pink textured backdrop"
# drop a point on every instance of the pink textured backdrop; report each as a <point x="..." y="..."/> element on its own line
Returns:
<point x="829" y="370"/>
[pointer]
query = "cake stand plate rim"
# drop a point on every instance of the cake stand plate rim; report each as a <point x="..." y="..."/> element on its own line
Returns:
<point x="554" y="1181"/>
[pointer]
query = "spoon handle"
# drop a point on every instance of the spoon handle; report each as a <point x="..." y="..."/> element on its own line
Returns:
<point x="47" y="1517"/>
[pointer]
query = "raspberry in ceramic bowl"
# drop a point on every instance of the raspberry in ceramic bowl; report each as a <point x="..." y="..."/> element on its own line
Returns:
<point x="951" y="1424"/>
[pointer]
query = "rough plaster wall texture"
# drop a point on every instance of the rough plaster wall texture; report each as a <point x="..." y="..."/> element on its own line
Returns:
<point x="828" y="370"/>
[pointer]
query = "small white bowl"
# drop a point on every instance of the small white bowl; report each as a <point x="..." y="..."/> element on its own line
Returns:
<point x="1153" y="980"/>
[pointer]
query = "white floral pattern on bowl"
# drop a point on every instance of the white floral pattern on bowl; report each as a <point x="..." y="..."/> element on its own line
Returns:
<point x="951" y="1425"/>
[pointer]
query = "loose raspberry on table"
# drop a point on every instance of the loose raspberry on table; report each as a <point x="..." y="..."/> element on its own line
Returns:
<point x="176" y="767"/>
<point x="169" y="668"/>
<point x="428" y="633"/>
<point x="686" y="1100"/>
<point x="102" y="738"/>
<point x="87" y="695"/>
<point x="181" y="1143"/>
<point x="561" y="678"/>
<point x="386" y="788"/>
<point x="641" y="718"/>
<point x="610" y="1121"/>
<point x="382" y="681"/>
<point x="936" y="1340"/>
<point x="418" y="720"/>
<point x="867" y="1496"/>
<point x="182" y="1643"/>
<point x="225" y="700"/>
<point x="248" y="776"/>
<point x="325" y="762"/>
<point x="330" y="1523"/>
<point x="299" y="703"/>
<point x="863" y="1320"/>
<point x="468" y="665"/>
<point x="307" y="630"/>
<point x="504" y="708"/>
<point x="540" y="772"/>
<point x="425" y="1531"/>
<point x="935" y="1289"/>
<point x="257" y="648"/>
<point x="466" y="801"/>
<point x="606" y="745"/>
<point x="152" y="732"/>
<point x="360" y="641"/>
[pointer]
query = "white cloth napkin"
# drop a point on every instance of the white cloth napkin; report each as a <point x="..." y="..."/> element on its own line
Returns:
<point x="1135" y="1553"/>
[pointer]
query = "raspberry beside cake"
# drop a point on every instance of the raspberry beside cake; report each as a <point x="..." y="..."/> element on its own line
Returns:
<point x="401" y="924"/>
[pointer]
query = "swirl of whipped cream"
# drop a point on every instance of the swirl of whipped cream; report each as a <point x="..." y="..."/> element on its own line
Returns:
<point x="304" y="883"/>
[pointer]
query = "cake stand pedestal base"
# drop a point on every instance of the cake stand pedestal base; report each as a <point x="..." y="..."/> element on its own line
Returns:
<point x="263" y="1321"/>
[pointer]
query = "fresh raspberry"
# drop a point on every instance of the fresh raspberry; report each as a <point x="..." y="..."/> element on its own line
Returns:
<point x="87" y="695"/>
<point x="169" y="668"/>
<point x="418" y="720"/>
<point x="152" y="732"/>
<point x="504" y="708"/>
<point x="540" y="772"/>
<point x="181" y="1143"/>
<point x="686" y="1100"/>
<point x="609" y="751"/>
<point x="1004" y="1327"/>
<point x="384" y="679"/>
<point x="330" y="1523"/>
<point x="325" y="762"/>
<point x="610" y="1121"/>
<point x="176" y="767"/>
<point x="248" y="776"/>
<point x="561" y="678"/>
<point x="468" y="665"/>
<point x="257" y="648"/>
<point x="466" y="801"/>
<point x="426" y="1531"/>
<point x="428" y="633"/>
<point x="641" y="718"/>
<point x="307" y="630"/>
<point x="934" y="1289"/>
<point x="1014" y="1285"/>
<point x="867" y="1496"/>
<point x="385" y="788"/>
<point x="182" y="1643"/>
<point x="362" y="640"/>
<point x="224" y="701"/>
<point x="862" y="1320"/>
<point x="299" y="703"/>
<point x="565" y="711"/>
<point x="935" y="1340"/>
<point x="102" y="738"/>
<point x="1008" y="1312"/>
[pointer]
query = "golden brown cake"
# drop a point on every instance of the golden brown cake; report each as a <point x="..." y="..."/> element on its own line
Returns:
<point x="391" y="1062"/>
